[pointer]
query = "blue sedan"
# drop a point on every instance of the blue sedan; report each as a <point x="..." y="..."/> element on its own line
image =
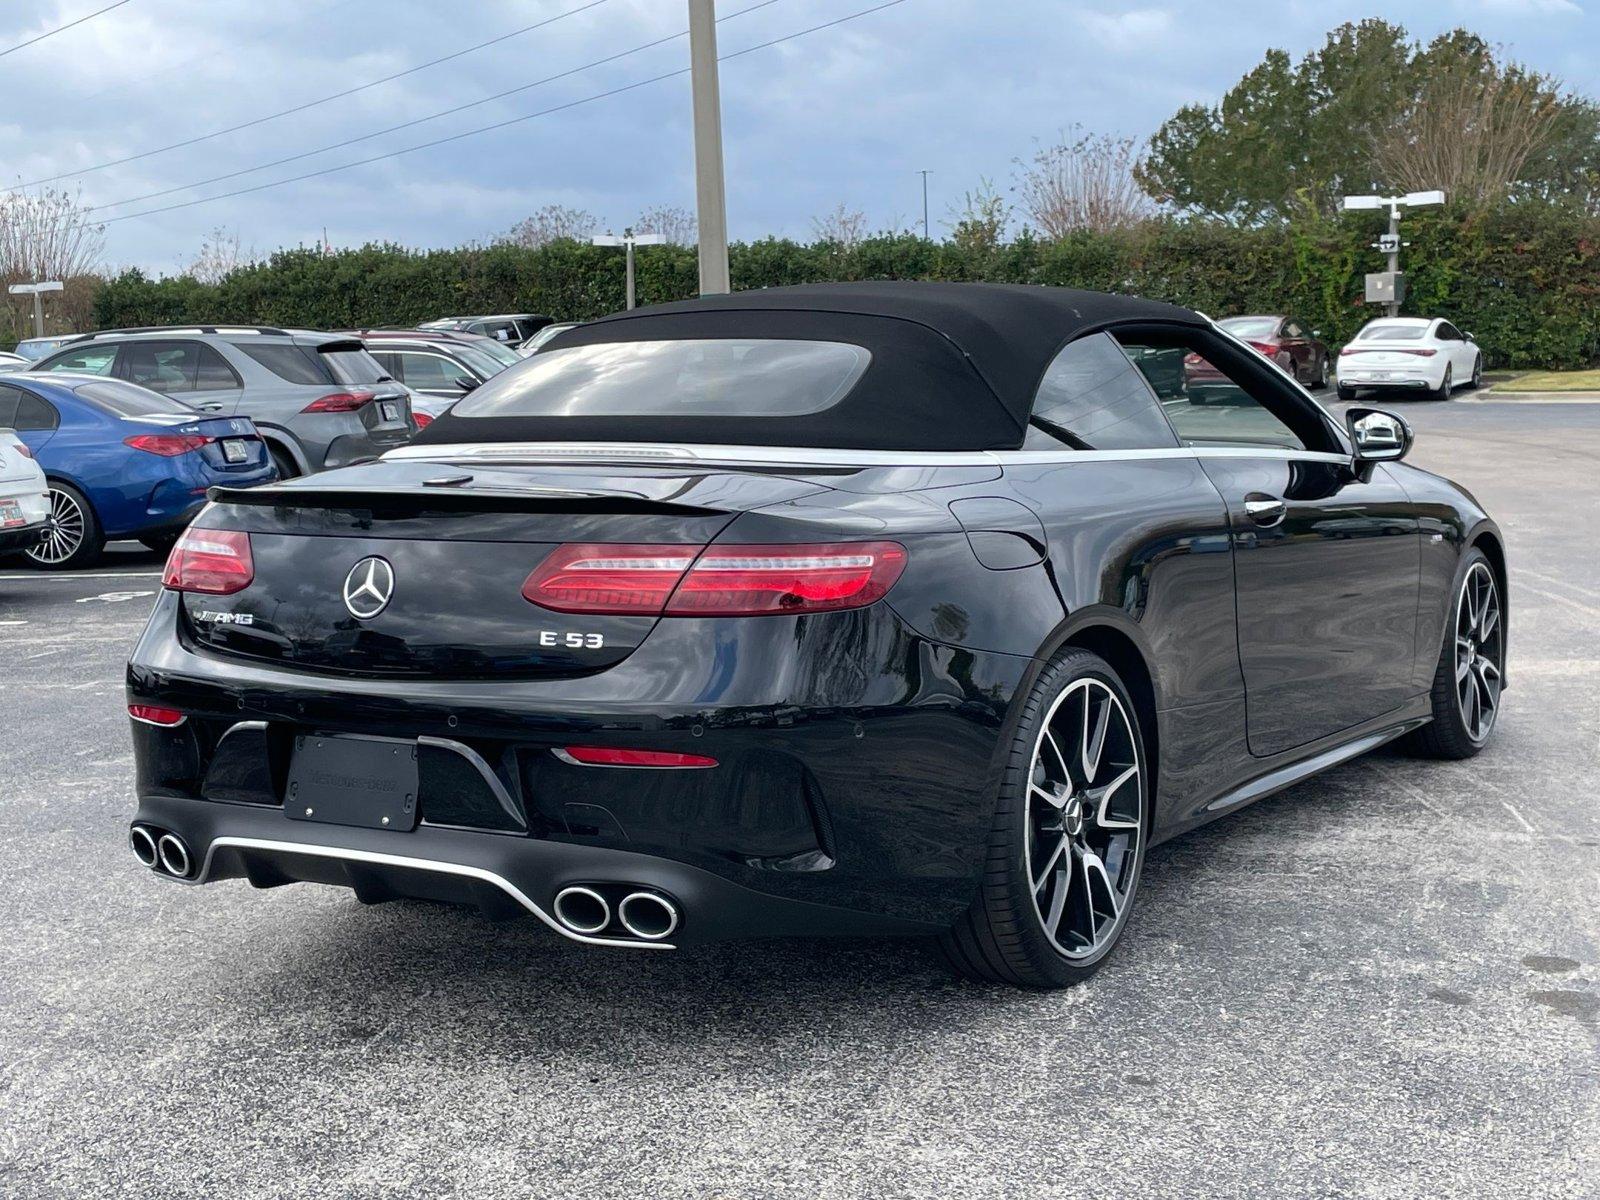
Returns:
<point x="123" y="461"/>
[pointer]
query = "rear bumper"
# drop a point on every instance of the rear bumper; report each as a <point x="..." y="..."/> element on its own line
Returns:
<point x="843" y="801"/>
<point x="21" y="537"/>
<point x="502" y="876"/>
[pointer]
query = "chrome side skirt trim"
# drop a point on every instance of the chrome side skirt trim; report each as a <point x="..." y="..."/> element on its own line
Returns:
<point x="1296" y="772"/>
<point x="416" y="864"/>
<point x="528" y="453"/>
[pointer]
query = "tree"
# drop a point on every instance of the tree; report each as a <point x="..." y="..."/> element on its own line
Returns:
<point x="842" y="226"/>
<point x="1084" y="181"/>
<point x="47" y="235"/>
<point x="552" y="223"/>
<point x="221" y="254"/>
<point x="981" y="221"/>
<point x="1291" y="135"/>
<point x="676" y="225"/>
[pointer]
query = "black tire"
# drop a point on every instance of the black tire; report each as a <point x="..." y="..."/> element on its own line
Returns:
<point x="161" y="543"/>
<point x="1002" y="937"/>
<point x="1449" y="734"/>
<point x="1476" y="381"/>
<point x="75" y="538"/>
<point x="285" y="464"/>
<point x="1446" y="385"/>
<point x="1320" y="378"/>
<point x="1346" y="393"/>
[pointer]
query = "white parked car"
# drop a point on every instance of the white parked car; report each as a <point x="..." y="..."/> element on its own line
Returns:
<point x="24" y="498"/>
<point x="1414" y="354"/>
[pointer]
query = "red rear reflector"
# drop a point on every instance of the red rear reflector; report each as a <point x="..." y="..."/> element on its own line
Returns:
<point x="741" y="581"/>
<point x="583" y="577"/>
<point x="168" y="445"/>
<point x="604" y="756"/>
<point x="338" y="402"/>
<point x="422" y="419"/>
<point x="214" y="561"/>
<point x="154" y="714"/>
<point x="729" y="581"/>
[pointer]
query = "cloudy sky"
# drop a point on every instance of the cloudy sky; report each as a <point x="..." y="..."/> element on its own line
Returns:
<point x="847" y="114"/>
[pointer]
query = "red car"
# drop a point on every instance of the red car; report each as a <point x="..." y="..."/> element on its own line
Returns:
<point x="1282" y="339"/>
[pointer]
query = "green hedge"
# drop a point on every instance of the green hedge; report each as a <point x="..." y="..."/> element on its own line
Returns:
<point x="1524" y="279"/>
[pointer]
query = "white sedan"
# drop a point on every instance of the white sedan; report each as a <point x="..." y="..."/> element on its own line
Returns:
<point x="24" y="499"/>
<point x="1414" y="354"/>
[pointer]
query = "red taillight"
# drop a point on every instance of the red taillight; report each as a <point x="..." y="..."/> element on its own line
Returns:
<point x="747" y="581"/>
<point x="154" y="714"/>
<point x="22" y="449"/>
<point x="1349" y="350"/>
<point x="168" y="445"/>
<point x="422" y="419"/>
<point x="606" y="756"/>
<point x="582" y="577"/>
<point x="1267" y="348"/>
<point x="339" y="402"/>
<point x="730" y="581"/>
<point x="214" y="561"/>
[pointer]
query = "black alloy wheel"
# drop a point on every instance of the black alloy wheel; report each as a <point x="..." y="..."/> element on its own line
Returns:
<point x="1470" y="677"/>
<point x="1067" y="842"/>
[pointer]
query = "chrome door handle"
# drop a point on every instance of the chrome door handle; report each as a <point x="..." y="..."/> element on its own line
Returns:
<point x="1265" y="510"/>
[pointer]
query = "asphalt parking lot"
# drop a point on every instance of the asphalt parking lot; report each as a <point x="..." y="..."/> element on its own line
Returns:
<point x="1383" y="983"/>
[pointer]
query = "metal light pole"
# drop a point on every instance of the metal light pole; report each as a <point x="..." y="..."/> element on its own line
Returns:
<point x="925" y="235"/>
<point x="1389" y="287"/>
<point x="36" y="290"/>
<point x="630" y="240"/>
<point x="711" y="201"/>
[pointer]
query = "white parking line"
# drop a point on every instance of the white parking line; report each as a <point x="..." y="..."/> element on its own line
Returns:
<point x="84" y="575"/>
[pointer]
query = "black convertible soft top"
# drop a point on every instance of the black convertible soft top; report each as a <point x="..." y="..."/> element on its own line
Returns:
<point x="954" y="365"/>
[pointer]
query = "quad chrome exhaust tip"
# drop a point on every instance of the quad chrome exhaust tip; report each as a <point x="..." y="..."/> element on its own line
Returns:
<point x="143" y="843"/>
<point x="174" y="855"/>
<point x="582" y="910"/>
<point x="648" y="915"/>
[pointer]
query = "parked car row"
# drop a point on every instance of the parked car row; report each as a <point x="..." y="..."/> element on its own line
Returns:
<point x="119" y="434"/>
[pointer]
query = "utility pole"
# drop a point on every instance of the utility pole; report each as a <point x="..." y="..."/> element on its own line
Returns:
<point x="711" y="201"/>
<point x="925" y="235"/>
<point x="630" y="240"/>
<point x="1389" y="287"/>
<point x="36" y="290"/>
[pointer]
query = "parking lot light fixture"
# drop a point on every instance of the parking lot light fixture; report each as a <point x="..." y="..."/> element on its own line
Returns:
<point x="1388" y="287"/>
<point x="630" y="239"/>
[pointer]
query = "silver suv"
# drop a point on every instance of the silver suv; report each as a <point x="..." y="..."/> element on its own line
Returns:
<point x="318" y="400"/>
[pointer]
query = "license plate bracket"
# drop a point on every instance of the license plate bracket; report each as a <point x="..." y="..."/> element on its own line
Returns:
<point x="10" y="512"/>
<point x="348" y="779"/>
<point x="233" y="450"/>
<point x="391" y="410"/>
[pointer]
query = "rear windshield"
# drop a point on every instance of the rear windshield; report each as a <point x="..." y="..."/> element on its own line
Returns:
<point x="305" y="364"/>
<point x="1249" y="327"/>
<point x="1392" y="333"/>
<point x="502" y="354"/>
<point x="129" y="399"/>
<point x="712" y="377"/>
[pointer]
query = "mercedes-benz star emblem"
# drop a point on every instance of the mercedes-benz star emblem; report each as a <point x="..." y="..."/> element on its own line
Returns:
<point x="368" y="587"/>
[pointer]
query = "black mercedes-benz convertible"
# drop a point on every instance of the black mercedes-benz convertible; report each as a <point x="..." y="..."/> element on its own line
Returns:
<point x="880" y="608"/>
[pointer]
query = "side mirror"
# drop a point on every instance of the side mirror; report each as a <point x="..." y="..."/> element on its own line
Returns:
<point x="466" y="383"/>
<point x="1379" y="436"/>
<point x="1469" y="337"/>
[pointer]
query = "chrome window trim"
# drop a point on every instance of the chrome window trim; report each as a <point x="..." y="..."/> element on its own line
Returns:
<point x="645" y="453"/>
<point x="415" y="864"/>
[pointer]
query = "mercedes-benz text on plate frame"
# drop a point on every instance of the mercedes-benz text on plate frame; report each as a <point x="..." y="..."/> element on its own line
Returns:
<point x="369" y="587"/>
<point x="801" y="611"/>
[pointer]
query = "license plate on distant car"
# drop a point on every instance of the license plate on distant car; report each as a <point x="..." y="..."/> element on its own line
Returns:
<point x="234" y="450"/>
<point x="10" y="512"/>
<point x="349" y="780"/>
<point x="391" y="410"/>
<point x="1380" y="375"/>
